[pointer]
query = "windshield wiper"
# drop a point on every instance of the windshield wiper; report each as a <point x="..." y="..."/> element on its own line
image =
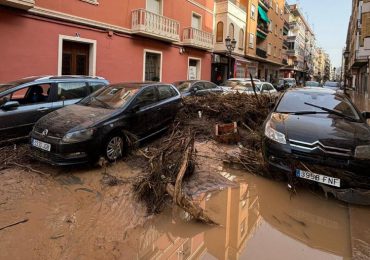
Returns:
<point x="331" y="111"/>
<point x="101" y="102"/>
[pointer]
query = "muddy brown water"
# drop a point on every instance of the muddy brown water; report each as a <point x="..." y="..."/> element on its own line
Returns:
<point x="73" y="215"/>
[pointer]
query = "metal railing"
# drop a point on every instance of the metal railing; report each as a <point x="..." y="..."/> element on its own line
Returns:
<point x="199" y="38"/>
<point x="261" y="53"/>
<point x="158" y="26"/>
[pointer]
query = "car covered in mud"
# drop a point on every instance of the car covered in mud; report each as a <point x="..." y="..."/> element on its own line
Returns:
<point x="25" y="101"/>
<point x="318" y="136"/>
<point x="101" y="124"/>
<point x="197" y="87"/>
<point x="265" y="88"/>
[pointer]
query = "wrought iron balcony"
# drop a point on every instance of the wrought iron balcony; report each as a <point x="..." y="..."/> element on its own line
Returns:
<point x="261" y="53"/>
<point x="197" y="38"/>
<point x="22" y="4"/>
<point x="156" y="26"/>
<point x="264" y="4"/>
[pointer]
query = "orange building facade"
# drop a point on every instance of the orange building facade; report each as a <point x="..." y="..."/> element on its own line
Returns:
<point x="132" y="40"/>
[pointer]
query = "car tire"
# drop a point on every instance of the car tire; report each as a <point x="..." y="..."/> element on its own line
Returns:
<point x="113" y="149"/>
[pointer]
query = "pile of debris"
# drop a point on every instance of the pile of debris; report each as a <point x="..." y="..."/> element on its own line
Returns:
<point x="172" y="159"/>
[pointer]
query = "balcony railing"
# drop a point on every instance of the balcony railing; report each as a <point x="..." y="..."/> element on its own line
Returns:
<point x="263" y="27"/>
<point x="261" y="53"/>
<point x="154" y="25"/>
<point x="264" y="4"/>
<point x="22" y="4"/>
<point x="198" y="38"/>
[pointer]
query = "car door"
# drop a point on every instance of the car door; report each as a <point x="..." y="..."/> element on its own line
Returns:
<point x="144" y="112"/>
<point x="68" y="93"/>
<point x="167" y="104"/>
<point x="34" y="102"/>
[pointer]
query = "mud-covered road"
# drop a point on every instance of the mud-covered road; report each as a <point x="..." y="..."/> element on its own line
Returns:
<point x="74" y="214"/>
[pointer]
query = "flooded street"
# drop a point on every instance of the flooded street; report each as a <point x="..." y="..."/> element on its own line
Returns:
<point x="74" y="214"/>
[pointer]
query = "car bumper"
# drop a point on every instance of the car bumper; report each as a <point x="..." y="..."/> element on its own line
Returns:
<point x="63" y="154"/>
<point x="355" y="182"/>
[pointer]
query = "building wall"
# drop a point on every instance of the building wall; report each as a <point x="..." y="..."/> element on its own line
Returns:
<point x="31" y="48"/>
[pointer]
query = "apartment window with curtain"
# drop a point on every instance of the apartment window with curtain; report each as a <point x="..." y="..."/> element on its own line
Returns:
<point x="270" y="26"/>
<point x="251" y="40"/>
<point x="154" y="6"/>
<point x="275" y="51"/>
<point x="196" y="21"/>
<point x="269" y="47"/>
<point x="241" y="39"/>
<point x="277" y="7"/>
<point x="231" y="31"/>
<point x="220" y="32"/>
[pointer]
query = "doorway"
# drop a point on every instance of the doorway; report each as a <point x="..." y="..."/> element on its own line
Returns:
<point x="75" y="58"/>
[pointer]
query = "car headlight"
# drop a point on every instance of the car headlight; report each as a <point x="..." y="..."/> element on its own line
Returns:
<point x="78" y="136"/>
<point x="274" y="135"/>
<point x="362" y="152"/>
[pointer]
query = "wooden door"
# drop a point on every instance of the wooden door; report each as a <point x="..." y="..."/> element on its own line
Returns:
<point x="75" y="59"/>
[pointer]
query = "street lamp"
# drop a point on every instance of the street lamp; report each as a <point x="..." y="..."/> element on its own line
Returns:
<point x="346" y="56"/>
<point x="230" y="46"/>
<point x="334" y="70"/>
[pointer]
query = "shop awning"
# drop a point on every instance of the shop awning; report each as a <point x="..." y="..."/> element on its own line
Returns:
<point x="240" y="59"/>
<point x="263" y="14"/>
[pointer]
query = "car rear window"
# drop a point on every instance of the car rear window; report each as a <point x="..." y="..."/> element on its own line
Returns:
<point x="293" y="102"/>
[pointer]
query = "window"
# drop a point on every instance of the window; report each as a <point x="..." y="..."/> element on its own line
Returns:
<point x="253" y="11"/>
<point x="164" y="92"/>
<point x="277" y="7"/>
<point x="154" y="6"/>
<point x="72" y="90"/>
<point x="194" y="69"/>
<point x="276" y="30"/>
<point x="209" y="85"/>
<point x="220" y="32"/>
<point x="269" y="47"/>
<point x="196" y="21"/>
<point x="270" y="26"/>
<point x="31" y="95"/>
<point x="241" y="39"/>
<point x="94" y="86"/>
<point x="94" y="2"/>
<point x="275" y="51"/>
<point x="267" y="87"/>
<point x="251" y="40"/>
<point x="146" y="98"/>
<point x="152" y="66"/>
<point x="231" y="31"/>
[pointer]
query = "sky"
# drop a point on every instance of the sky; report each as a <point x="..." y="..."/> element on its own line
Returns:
<point x="329" y="19"/>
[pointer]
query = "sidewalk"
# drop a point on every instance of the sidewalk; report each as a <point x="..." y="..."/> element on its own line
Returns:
<point x="361" y="101"/>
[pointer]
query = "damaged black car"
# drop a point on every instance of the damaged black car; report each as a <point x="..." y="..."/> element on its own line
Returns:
<point x="100" y="124"/>
<point x="318" y="136"/>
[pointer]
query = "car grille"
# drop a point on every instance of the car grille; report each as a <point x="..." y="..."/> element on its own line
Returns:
<point x="46" y="138"/>
<point x="319" y="146"/>
<point x="47" y="156"/>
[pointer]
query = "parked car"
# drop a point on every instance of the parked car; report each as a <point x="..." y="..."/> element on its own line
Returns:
<point x="286" y="83"/>
<point x="247" y="88"/>
<point x="97" y="125"/>
<point x="197" y="87"/>
<point x="324" y="130"/>
<point x="313" y="84"/>
<point x="232" y="82"/>
<point x="332" y="85"/>
<point x="24" y="101"/>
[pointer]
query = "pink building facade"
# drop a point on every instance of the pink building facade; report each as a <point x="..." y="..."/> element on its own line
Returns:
<point x="131" y="40"/>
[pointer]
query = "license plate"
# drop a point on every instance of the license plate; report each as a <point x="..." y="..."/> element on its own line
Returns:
<point x="41" y="145"/>
<point x="318" y="178"/>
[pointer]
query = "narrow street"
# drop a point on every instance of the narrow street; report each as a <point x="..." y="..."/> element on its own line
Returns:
<point x="73" y="215"/>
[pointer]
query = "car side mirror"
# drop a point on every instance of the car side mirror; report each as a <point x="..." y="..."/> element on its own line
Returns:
<point x="366" y="115"/>
<point x="10" y="105"/>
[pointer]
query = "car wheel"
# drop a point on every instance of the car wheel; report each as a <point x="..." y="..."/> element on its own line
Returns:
<point x="113" y="149"/>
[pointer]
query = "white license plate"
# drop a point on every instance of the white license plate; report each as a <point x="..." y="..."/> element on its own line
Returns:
<point x="41" y="145"/>
<point x="318" y="178"/>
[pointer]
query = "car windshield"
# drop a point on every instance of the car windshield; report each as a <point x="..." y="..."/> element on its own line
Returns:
<point x="301" y="102"/>
<point x="112" y="97"/>
<point x="331" y="84"/>
<point x="312" y="84"/>
<point x="182" y="86"/>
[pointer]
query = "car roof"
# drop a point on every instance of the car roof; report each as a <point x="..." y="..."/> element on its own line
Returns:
<point x="137" y="85"/>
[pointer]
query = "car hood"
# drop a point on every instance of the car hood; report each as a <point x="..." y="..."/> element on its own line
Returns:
<point x="329" y="130"/>
<point x="71" y="118"/>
